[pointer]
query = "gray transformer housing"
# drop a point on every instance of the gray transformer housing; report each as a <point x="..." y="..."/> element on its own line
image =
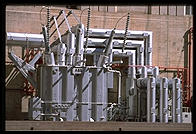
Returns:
<point x="80" y="93"/>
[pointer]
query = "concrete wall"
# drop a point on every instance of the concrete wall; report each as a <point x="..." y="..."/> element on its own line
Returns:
<point x="168" y="31"/>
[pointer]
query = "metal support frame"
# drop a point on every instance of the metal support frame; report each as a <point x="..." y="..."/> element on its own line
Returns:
<point x="24" y="68"/>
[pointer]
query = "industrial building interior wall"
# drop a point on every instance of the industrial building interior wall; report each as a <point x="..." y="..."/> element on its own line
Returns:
<point x="167" y="35"/>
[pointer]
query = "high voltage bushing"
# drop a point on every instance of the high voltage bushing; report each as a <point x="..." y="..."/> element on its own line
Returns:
<point x="87" y="26"/>
<point x="87" y="34"/>
<point x="48" y="25"/>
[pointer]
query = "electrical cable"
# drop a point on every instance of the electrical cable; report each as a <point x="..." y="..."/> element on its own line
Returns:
<point x="119" y="20"/>
<point x="82" y="13"/>
<point x="40" y="15"/>
<point x="87" y="30"/>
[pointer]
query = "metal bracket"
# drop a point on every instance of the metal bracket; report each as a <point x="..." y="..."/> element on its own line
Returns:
<point x="24" y="68"/>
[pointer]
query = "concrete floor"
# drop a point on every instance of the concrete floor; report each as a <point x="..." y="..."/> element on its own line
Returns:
<point x="94" y="126"/>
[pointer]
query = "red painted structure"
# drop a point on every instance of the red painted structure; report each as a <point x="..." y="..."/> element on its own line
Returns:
<point x="30" y="53"/>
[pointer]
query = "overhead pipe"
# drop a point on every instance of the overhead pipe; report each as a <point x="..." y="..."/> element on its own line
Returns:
<point x="148" y="49"/>
<point x="140" y="53"/>
<point x="24" y="39"/>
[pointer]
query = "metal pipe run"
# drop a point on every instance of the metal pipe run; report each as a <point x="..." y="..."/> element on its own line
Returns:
<point x="24" y="39"/>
